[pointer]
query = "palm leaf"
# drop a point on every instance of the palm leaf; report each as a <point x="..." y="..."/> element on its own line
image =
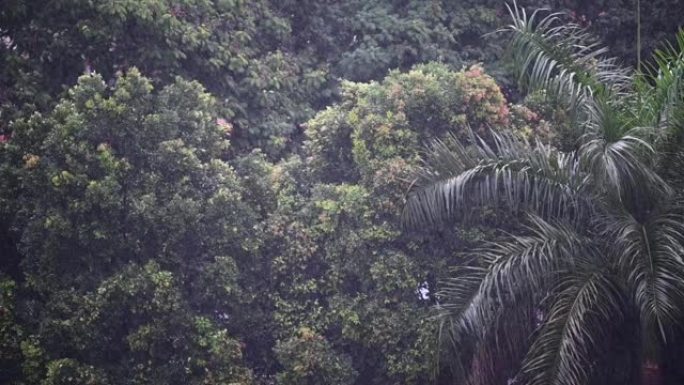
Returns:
<point x="662" y="86"/>
<point x="455" y="179"/>
<point x="649" y="252"/>
<point x="563" y="59"/>
<point x="471" y="302"/>
<point x="661" y="107"/>
<point x="618" y="167"/>
<point x="468" y="301"/>
<point x="562" y="351"/>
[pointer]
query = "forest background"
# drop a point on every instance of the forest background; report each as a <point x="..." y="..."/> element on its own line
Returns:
<point x="210" y="192"/>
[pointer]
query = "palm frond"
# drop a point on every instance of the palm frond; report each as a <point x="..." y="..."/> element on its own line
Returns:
<point x="471" y="303"/>
<point x="458" y="292"/>
<point x="661" y="107"/>
<point x="662" y="86"/>
<point x="649" y="253"/>
<point x="561" y="352"/>
<point x="563" y="59"/>
<point x="469" y="300"/>
<point x="618" y="167"/>
<point x="455" y="179"/>
<point x="497" y="358"/>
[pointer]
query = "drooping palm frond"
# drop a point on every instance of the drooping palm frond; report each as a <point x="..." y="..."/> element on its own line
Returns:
<point x="456" y="296"/>
<point x="497" y="358"/>
<point x="563" y="348"/>
<point x="649" y="253"/>
<point x="472" y="301"/>
<point x="619" y="167"/>
<point x="563" y="59"/>
<point x="455" y="179"/>
<point x="469" y="299"/>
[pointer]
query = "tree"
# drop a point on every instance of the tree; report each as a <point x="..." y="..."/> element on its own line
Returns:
<point x="599" y="263"/>
<point x="133" y="231"/>
<point x="309" y="360"/>
<point x="340" y="265"/>
<point x="233" y="48"/>
<point x="183" y="224"/>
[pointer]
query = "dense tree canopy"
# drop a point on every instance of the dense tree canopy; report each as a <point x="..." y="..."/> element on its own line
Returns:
<point x="211" y="192"/>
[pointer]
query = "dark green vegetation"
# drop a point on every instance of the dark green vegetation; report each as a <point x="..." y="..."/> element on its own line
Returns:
<point x="211" y="192"/>
<point x="595" y="275"/>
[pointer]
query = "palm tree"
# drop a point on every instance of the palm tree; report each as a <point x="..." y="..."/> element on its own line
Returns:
<point x="601" y="253"/>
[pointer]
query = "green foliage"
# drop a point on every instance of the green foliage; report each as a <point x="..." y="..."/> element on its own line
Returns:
<point x="67" y="371"/>
<point x="123" y="173"/>
<point x="231" y="47"/>
<point x="615" y="22"/>
<point x="11" y="332"/>
<point x="342" y="266"/>
<point x="308" y="360"/>
<point x="363" y="40"/>
<point x="270" y="63"/>
<point x="128" y="175"/>
<point x="331" y="278"/>
<point x="376" y="122"/>
<point x="182" y="214"/>
<point x="144" y="312"/>
<point x="150" y="331"/>
<point x="602" y="248"/>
